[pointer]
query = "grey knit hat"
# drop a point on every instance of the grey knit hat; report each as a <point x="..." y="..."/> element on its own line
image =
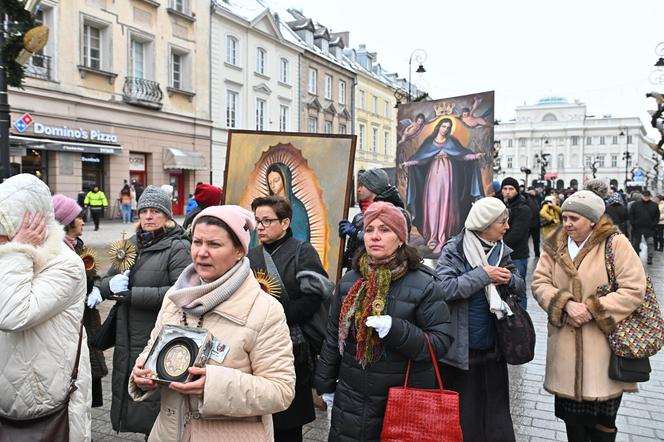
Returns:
<point x="585" y="203"/>
<point x="155" y="198"/>
<point x="599" y="187"/>
<point x="376" y="180"/>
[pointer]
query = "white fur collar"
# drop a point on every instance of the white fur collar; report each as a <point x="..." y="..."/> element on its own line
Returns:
<point x="44" y="253"/>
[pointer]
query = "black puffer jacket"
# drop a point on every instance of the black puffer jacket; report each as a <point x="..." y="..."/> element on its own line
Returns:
<point x="517" y="235"/>
<point x="156" y="269"/>
<point x="416" y="305"/>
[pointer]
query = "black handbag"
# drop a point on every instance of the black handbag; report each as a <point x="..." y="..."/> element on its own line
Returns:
<point x="629" y="370"/>
<point x="52" y="427"/>
<point x="515" y="334"/>
<point x="105" y="336"/>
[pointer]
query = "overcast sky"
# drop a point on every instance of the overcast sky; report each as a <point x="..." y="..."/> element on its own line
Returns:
<point x="598" y="52"/>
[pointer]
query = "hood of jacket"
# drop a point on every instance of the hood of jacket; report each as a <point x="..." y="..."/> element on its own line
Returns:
<point x="19" y="194"/>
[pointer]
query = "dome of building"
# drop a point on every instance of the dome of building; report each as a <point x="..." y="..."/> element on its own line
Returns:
<point x="552" y="100"/>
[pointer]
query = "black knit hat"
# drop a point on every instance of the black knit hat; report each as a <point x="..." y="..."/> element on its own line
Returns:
<point x="375" y="180"/>
<point x="509" y="181"/>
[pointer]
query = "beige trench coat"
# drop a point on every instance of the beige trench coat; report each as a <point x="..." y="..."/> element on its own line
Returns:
<point x="577" y="360"/>
<point x="255" y="379"/>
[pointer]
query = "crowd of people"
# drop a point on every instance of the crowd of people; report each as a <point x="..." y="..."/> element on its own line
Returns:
<point x="260" y="302"/>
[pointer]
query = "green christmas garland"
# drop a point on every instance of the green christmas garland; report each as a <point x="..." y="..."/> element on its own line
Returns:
<point x="20" y="22"/>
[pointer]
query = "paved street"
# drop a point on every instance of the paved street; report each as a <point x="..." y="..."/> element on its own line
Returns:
<point x="641" y="416"/>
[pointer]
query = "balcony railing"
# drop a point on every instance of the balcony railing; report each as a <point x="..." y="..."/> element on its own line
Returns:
<point x="142" y="92"/>
<point x="39" y="67"/>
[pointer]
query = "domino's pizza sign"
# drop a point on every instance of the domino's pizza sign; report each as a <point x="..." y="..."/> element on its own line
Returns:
<point x="23" y="123"/>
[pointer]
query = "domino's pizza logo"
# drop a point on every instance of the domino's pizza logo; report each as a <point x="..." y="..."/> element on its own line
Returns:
<point x="23" y="123"/>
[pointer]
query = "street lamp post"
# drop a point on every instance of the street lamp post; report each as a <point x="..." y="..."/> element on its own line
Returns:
<point x="627" y="156"/>
<point x="420" y="57"/>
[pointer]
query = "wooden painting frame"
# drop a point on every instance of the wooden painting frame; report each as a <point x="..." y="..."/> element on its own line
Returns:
<point x="317" y="191"/>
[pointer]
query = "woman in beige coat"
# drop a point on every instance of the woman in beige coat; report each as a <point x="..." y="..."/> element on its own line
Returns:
<point x="568" y="283"/>
<point x="233" y="398"/>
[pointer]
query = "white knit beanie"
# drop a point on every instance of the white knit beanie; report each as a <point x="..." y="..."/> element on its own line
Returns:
<point x="485" y="212"/>
<point x="585" y="203"/>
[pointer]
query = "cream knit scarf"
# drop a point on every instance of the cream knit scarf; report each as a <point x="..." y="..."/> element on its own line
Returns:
<point x="476" y="257"/>
<point x="196" y="297"/>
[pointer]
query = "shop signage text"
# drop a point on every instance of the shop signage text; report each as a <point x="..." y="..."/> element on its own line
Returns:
<point x="78" y="134"/>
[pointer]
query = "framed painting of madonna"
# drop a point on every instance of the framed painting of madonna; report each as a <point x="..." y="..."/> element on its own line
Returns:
<point x="312" y="171"/>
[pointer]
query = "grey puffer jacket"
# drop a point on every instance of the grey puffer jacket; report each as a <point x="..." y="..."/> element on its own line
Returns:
<point x="156" y="269"/>
<point x="416" y="306"/>
<point x="458" y="285"/>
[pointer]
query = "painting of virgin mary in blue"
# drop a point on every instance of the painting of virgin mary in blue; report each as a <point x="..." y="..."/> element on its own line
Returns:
<point x="280" y="183"/>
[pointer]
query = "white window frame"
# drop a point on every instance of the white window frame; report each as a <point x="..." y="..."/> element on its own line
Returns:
<point x="360" y="100"/>
<point x="328" y="86"/>
<point x="181" y="6"/>
<point x="386" y="141"/>
<point x="602" y="140"/>
<point x="284" y="70"/>
<point x="614" y="139"/>
<point x="327" y="127"/>
<point x="509" y="162"/>
<point x="232" y="50"/>
<point x="387" y="109"/>
<point x="232" y="108"/>
<point x="561" y="161"/>
<point x="374" y="139"/>
<point x="105" y="49"/>
<point x="343" y="129"/>
<point x="575" y="140"/>
<point x="312" y="83"/>
<point x="374" y="104"/>
<point x="360" y="136"/>
<point x="284" y="117"/>
<point x="185" y="69"/>
<point x="614" y="160"/>
<point x="312" y="125"/>
<point x="261" y="113"/>
<point x="589" y="141"/>
<point x="148" y="55"/>
<point x="342" y="92"/>
<point x="600" y="160"/>
<point x="261" y="60"/>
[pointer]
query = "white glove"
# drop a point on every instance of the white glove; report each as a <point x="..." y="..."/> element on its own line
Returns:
<point x="328" y="398"/>
<point x="382" y="324"/>
<point x="94" y="297"/>
<point x="120" y="282"/>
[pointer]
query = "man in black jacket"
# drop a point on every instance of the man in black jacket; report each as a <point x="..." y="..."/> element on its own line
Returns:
<point x="643" y="217"/>
<point x="533" y="203"/>
<point x="291" y="271"/>
<point x="516" y="237"/>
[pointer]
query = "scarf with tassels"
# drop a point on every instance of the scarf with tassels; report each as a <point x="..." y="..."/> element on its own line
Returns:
<point x="368" y="297"/>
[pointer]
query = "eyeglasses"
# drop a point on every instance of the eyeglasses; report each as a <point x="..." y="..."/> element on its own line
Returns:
<point x="502" y="221"/>
<point x="266" y="222"/>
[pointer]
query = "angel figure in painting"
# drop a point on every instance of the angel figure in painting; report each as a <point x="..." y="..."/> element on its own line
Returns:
<point x="413" y="128"/>
<point x="443" y="180"/>
<point x="468" y="115"/>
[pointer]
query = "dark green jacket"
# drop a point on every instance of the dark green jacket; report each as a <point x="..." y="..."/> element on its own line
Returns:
<point x="156" y="269"/>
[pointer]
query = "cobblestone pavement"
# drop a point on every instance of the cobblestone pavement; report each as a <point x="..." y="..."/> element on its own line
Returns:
<point x="641" y="415"/>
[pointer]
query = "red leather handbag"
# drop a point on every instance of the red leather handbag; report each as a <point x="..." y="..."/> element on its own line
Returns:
<point x="421" y="415"/>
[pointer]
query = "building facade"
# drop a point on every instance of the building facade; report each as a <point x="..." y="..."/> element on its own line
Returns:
<point x="121" y="91"/>
<point x="559" y="143"/>
<point x="326" y="78"/>
<point x="254" y="74"/>
<point x="375" y="112"/>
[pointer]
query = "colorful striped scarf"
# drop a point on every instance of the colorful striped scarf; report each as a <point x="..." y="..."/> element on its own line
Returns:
<point x="368" y="297"/>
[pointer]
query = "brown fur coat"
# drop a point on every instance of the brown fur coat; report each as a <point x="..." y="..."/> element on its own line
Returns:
<point x="577" y="361"/>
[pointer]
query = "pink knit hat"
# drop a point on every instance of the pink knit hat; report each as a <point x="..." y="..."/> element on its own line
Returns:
<point x="65" y="209"/>
<point x="390" y="215"/>
<point x="241" y="221"/>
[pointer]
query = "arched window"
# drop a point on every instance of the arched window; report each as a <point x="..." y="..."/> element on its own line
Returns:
<point x="232" y="50"/>
<point x="549" y="117"/>
<point x="261" y="60"/>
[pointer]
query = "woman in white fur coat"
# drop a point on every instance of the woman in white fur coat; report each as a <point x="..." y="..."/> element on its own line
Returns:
<point x="42" y="294"/>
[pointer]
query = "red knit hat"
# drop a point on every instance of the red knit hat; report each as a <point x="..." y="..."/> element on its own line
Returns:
<point x="390" y="215"/>
<point x="207" y="195"/>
